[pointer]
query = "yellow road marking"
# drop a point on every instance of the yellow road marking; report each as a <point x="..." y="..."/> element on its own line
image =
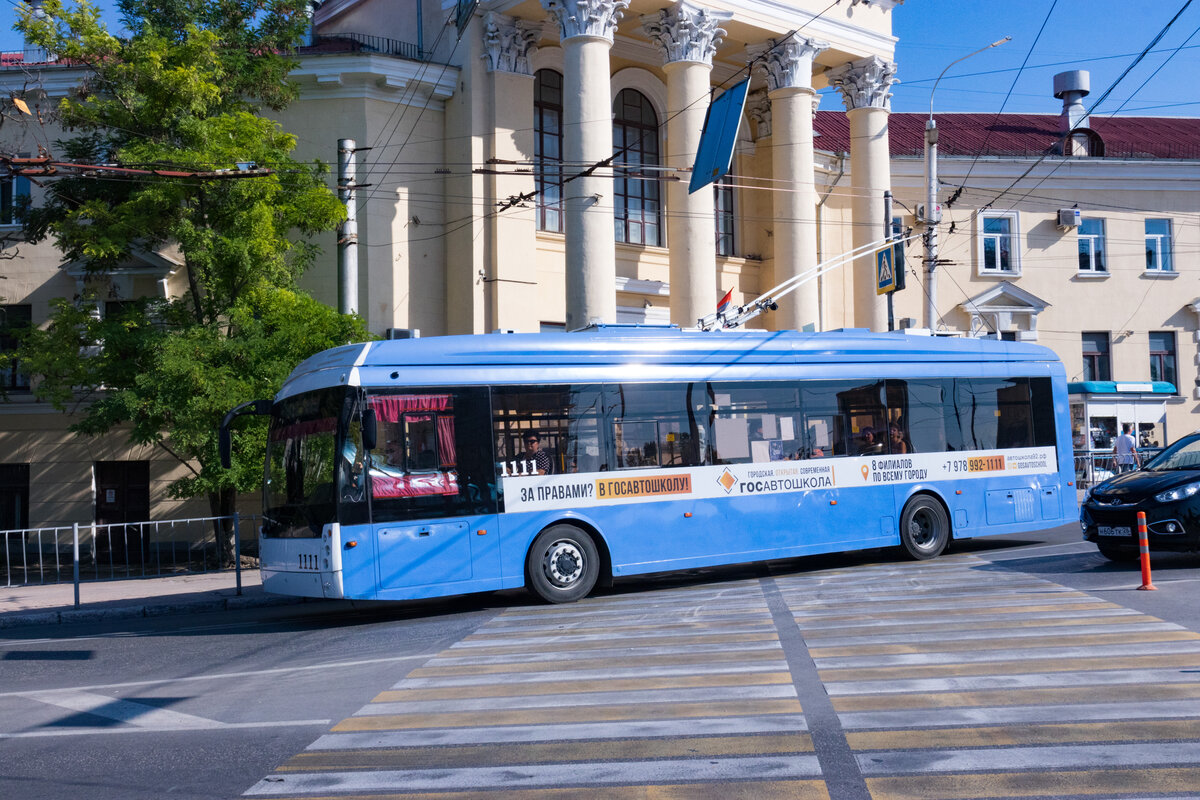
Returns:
<point x="1000" y="666"/>
<point x="1025" y="734"/>
<point x="949" y="613"/>
<point x="814" y="636"/>
<point x="576" y="687"/>
<point x="544" y="716"/>
<point x="574" y="664"/>
<point x="614" y="641"/>
<point x="1004" y="644"/>
<point x="491" y="755"/>
<point x="756" y="790"/>
<point x="1015" y="697"/>
<point x="1116" y="782"/>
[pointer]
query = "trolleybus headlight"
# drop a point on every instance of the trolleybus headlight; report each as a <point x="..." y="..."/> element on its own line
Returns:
<point x="1178" y="493"/>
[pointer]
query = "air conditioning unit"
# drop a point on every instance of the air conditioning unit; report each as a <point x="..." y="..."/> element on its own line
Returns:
<point x="1068" y="218"/>
<point x="937" y="213"/>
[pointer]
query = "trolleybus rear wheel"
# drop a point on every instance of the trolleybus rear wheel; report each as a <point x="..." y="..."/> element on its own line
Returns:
<point x="562" y="564"/>
<point x="924" y="528"/>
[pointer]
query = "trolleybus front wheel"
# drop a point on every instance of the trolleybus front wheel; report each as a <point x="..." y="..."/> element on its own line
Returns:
<point x="924" y="527"/>
<point x="562" y="564"/>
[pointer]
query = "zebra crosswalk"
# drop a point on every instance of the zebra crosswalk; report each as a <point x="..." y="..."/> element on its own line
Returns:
<point x="909" y="680"/>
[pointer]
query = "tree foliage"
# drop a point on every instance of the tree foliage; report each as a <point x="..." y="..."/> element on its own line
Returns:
<point x="182" y="93"/>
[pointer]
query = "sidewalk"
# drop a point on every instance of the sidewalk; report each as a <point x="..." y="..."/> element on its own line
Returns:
<point x="138" y="597"/>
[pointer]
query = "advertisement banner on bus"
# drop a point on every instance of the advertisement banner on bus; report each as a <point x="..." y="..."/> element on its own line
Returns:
<point x="545" y="492"/>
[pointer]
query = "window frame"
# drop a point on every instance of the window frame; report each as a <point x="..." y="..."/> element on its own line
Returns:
<point x="1096" y="246"/>
<point x="11" y="191"/>
<point x="549" y="213"/>
<point x="1165" y="360"/>
<point x="724" y="199"/>
<point x="648" y="153"/>
<point x="1101" y="358"/>
<point x="1013" y="237"/>
<point x="1159" y="256"/>
<point x="12" y="379"/>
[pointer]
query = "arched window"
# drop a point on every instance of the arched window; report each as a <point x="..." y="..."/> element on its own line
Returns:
<point x="547" y="148"/>
<point x="635" y="139"/>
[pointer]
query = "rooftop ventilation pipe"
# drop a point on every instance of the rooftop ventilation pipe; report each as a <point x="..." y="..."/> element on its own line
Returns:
<point x="1072" y="87"/>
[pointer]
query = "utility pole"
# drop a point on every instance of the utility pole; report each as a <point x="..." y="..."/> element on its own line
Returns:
<point x="347" y="239"/>
<point x="933" y="212"/>
<point x="887" y="236"/>
<point x="933" y="216"/>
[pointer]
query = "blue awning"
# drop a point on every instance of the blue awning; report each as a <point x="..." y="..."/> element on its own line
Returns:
<point x="1120" y="387"/>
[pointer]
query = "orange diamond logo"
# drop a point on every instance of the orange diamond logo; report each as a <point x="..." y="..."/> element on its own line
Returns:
<point x="727" y="480"/>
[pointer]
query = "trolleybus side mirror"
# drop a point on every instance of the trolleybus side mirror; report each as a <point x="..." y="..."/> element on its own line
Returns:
<point x="224" y="440"/>
<point x="370" y="429"/>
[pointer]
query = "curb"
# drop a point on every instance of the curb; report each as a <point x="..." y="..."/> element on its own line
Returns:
<point x="154" y="609"/>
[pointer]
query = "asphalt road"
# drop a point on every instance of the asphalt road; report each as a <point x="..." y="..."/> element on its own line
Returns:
<point x="1010" y="667"/>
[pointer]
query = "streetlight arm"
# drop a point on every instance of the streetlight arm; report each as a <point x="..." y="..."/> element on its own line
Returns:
<point x="996" y="43"/>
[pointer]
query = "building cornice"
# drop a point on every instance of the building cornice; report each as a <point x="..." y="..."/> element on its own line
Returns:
<point x="776" y="16"/>
<point x="375" y="77"/>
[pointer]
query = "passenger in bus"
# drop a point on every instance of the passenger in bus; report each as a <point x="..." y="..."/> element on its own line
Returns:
<point x="868" y="444"/>
<point x="899" y="445"/>
<point x="535" y="454"/>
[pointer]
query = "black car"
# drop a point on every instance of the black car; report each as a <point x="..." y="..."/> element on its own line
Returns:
<point x="1167" y="488"/>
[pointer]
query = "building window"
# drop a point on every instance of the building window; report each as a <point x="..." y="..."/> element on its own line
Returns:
<point x="547" y="148"/>
<point x="1158" y="245"/>
<point x="13" y="320"/>
<point x="724" y="205"/>
<point x="11" y="192"/>
<point x="1162" y="358"/>
<point x="1091" y="246"/>
<point x="635" y="141"/>
<point x="999" y="244"/>
<point x="1096" y="363"/>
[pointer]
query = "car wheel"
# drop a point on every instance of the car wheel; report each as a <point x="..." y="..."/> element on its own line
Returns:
<point x="1123" y="555"/>
<point x="924" y="528"/>
<point x="562" y="565"/>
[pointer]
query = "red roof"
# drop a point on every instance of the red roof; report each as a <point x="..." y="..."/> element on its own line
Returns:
<point x="1020" y="134"/>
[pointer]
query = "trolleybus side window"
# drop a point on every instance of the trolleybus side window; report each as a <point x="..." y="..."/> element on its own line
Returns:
<point x="431" y="458"/>
<point x="658" y="424"/>
<point x="761" y="421"/>
<point x="565" y="419"/>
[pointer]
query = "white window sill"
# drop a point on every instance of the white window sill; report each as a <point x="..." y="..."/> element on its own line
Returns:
<point x="1158" y="274"/>
<point x="999" y="273"/>
<point x="1091" y="276"/>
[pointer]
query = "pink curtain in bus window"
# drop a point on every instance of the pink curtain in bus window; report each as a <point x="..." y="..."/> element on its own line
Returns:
<point x="446" y="454"/>
<point x="390" y="407"/>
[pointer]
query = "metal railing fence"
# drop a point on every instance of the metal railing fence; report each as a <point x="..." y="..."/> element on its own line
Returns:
<point x="1096" y="466"/>
<point x="154" y="548"/>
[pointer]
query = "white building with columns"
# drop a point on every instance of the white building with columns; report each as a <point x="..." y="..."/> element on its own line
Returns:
<point x="532" y="172"/>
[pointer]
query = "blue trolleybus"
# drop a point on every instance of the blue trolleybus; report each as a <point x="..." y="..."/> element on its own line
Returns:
<point x="440" y="466"/>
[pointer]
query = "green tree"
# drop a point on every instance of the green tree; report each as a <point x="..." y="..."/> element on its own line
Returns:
<point x="182" y="94"/>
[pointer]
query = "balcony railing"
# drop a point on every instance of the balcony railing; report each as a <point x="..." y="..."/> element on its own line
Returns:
<point x="375" y="44"/>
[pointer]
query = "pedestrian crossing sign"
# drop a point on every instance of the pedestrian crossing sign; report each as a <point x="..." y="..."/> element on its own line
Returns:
<point x="885" y="271"/>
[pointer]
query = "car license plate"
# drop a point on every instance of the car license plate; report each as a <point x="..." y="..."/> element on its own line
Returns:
<point x="1105" y="530"/>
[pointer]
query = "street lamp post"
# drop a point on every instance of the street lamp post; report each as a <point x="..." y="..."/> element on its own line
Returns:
<point x="933" y="212"/>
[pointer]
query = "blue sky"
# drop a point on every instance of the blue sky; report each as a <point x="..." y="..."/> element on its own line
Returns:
<point x="1102" y="36"/>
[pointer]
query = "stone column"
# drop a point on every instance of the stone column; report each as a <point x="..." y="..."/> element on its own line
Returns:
<point x="510" y="283"/>
<point x="688" y="37"/>
<point x="586" y="28"/>
<point x="788" y="67"/>
<point x="866" y="88"/>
